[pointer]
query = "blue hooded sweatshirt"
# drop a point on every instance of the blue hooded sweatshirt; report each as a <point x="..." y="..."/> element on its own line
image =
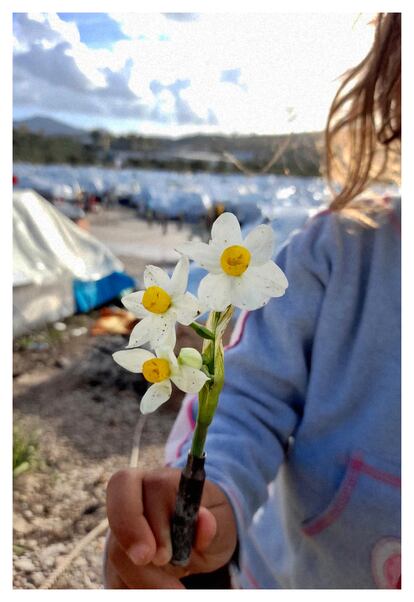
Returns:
<point x="306" y="439"/>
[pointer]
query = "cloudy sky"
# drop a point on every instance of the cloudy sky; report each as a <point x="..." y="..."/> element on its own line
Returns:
<point x="178" y="73"/>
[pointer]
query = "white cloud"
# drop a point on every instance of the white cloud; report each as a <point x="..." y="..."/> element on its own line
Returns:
<point x="242" y="70"/>
<point x="91" y="81"/>
<point x="66" y="30"/>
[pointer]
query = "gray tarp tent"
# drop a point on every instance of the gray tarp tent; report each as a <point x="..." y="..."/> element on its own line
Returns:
<point x="50" y="253"/>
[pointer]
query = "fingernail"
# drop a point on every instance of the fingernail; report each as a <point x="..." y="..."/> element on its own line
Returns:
<point x="138" y="553"/>
<point x="163" y="556"/>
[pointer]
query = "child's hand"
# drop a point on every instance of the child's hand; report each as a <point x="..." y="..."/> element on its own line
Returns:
<point x="140" y="506"/>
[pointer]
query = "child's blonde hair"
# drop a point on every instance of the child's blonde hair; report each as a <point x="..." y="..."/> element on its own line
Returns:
<point x="364" y="121"/>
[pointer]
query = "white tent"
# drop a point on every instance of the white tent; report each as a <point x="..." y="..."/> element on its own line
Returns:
<point x="50" y="254"/>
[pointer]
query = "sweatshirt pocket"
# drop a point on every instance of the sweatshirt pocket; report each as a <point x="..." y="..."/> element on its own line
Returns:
<point x="344" y="538"/>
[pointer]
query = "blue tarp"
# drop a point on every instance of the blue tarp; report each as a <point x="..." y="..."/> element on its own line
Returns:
<point x="91" y="294"/>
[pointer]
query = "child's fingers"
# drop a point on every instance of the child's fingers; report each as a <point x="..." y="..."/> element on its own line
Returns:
<point x="121" y="570"/>
<point x="140" y="507"/>
<point x="205" y="531"/>
<point x="126" y="518"/>
<point x="112" y="579"/>
<point x="159" y="494"/>
<point x="216" y="533"/>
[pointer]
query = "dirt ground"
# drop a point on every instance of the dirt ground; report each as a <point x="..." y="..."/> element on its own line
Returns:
<point x="137" y="242"/>
<point x="82" y="409"/>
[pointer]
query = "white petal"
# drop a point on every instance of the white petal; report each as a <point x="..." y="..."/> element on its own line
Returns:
<point x="257" y="285"/>
<point x="186" y="308"/>
<point x="179" y="278"/>
<point x="141" y="333"/>
<point x="260" y="242"/>
<point x="155" y="276"/>
<point x="155" y="396"/>
<point x="133" y="302"/>
<point x="132" y="359"/>
<point x="167" y="353"/>
<point x="207" y="256"/>
<point x="214" y="291"/>
<point x="245" y="296"/>
<point x="273" y="278"/>
<point x="189" y="380"/>
<point x="163" y="331"/>
<point x="225" y="231"/>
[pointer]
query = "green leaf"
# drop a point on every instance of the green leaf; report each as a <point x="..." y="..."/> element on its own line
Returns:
<point x="223" y="322"/>
<point x="202" y="331"/>
<point x="21" y="468"/>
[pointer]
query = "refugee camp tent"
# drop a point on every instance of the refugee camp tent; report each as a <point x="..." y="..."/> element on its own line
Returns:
<point x="58" y="268"/>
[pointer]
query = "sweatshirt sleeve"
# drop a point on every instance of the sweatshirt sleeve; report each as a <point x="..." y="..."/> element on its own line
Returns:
<point x="266" y="376"/>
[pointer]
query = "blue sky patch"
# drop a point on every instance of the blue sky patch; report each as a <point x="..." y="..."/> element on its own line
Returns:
<point x="97" y="30"/>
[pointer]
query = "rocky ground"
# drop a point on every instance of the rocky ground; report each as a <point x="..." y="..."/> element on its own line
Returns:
<point x="82" y="410"/>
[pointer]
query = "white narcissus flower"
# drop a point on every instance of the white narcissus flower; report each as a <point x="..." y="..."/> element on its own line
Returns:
<point x="160" y="370"/>
<point x="163" y="303"/>
<point x="242" y="272"/>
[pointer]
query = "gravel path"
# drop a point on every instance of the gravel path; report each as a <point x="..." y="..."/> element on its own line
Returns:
<point x="138" y="242"/>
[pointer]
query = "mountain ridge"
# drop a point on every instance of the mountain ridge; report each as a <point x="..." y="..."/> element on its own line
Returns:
<point x="48" y="126"/>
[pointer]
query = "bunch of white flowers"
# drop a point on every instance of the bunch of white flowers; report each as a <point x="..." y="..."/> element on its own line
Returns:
<point x="241" y="274"/>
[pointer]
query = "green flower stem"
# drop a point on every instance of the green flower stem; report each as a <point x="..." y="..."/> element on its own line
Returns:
<point x="213" y="359"/>
<point x="199" y="439"/>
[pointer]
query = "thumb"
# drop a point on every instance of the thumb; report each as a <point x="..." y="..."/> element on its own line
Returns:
<point x="206" y="530"/>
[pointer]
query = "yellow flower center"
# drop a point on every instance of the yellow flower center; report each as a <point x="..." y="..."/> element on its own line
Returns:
<point x="156" y="370"/>
<point x="155" y="299"/>
<point x="235" y="260"/>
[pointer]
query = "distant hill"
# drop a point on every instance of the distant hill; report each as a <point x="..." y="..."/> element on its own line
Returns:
<point x="48" y="127"/>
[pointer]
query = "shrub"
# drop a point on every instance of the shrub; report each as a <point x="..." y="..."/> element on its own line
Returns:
<point x="24" y="451"/>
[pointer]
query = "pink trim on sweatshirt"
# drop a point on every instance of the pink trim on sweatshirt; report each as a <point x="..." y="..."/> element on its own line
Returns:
<point x="238" y="331"/>
<point x="250" y="577"/>
<point x="190" y="416"/>
<point x="191" y="422"/>
<point x="380" y="475"/>
<point x="356" y="467"/>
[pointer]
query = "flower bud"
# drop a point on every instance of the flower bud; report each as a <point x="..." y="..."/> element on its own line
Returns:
<point x="190" y="357"/>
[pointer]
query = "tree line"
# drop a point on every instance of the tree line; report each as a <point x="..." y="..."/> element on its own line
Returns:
<point x="294" y="154"/>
